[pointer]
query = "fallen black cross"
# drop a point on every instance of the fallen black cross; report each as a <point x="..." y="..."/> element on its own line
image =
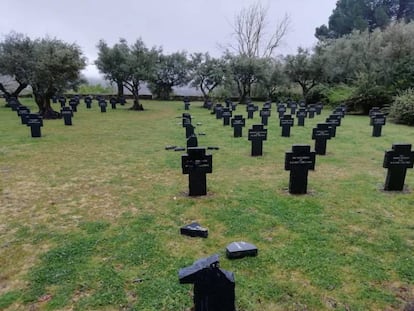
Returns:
<point x="240" y="249"/>
<point x="194" y="230"/>
<point x="214" y="288"/>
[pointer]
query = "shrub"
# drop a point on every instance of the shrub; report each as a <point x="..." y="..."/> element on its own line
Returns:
<point x="402" y="109"/>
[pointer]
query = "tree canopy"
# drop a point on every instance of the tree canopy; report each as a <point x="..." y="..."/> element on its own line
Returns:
<point x="361" y="15"/>
<point x="48" y="65"/>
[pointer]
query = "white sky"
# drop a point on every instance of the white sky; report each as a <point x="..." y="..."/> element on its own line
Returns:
<point x="176" y="25"/>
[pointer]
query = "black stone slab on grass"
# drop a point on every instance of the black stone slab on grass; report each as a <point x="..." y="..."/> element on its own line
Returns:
<point x="240" y="249"/>
<point x="194" y="230"/>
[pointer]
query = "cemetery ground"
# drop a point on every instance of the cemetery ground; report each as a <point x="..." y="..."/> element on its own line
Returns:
<point x="90" y="215"/>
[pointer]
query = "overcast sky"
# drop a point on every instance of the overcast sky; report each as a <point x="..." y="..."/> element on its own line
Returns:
<point x="176" y="25"/>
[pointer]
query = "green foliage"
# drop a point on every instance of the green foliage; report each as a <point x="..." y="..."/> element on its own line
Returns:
<point x="9" y="298"/>
<point x="170" y="70"/>
<point x="402" y="109"/>
<point x="128" y="65"/>
<point x="304" y="69"/>
<point x="350" y="15"/>
<point x="207" y="73"/>
<point x="245" y="71"/>
<point x="94" y="89"/>
<point x="339" y="93"/>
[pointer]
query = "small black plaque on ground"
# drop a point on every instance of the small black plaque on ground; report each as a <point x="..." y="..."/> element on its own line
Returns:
<point x="240" y="250"/>
<point x="194" y="230"/>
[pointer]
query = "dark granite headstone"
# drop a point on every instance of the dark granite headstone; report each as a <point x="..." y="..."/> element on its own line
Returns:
<point x="293" y="106"/>
<point x="301" y="115"/>
<point x="250" y="110"/>
<point x="321" y="134"/>
<point x="226" y="115"/>
<point x="265" y="114"/>
<point x="377" y="121"/>
<point x="67" y="115"/>
<point x="240" y="249"/>
<point x="186" y="101"/>
<point x="192" y="141"/>
<point x="24" y="113"/>
<point x="299" y="161"/>
<point x="334" y="123"/>
<point x="319" y="107"/>
<point x="257" y="135"/>
<point x="88" y="102"/>
<point x="189" y="130"/>
<point x="237" y="123"/>
<point x="281" y="109"/>
<point x="286" y="122"/>
<point x="35" y="122"/>
<point x="214" y="288"/>
<point x="73" y="104"/>
<point x="194" y="230"/>
<point x="102" y="105"/>
<point x="62" y="101"/>
<point x="311" y="111"/>
<point x="218" y="109"/>
<point x="196" y="163"/>
<point x="397" y="161"/>
<point x="113" y="101"/>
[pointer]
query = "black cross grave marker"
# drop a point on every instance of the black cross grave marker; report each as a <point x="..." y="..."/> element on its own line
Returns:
<point x="237" y="123"/>
<point x="88" y="102"/>
<point x="186" y="101"/>
<point x="196" y="163"/>
<point x="321" y="134"/>
<point x="226" y="116"/>
<point x="377" y="121"/>
<point x="67" y="115"/>
<point x="218" y="109"/>
<point x="286" y="122"/>
<point x="113" y="101"/>
<point x="214" y="288"/>
<point x="257" y="135"/>
<point x="73" y="103"/>
<point x="299" y="161"/>
<point x="265" y="114"/>
<point x="301" y="115"/>
<point x="35" y="122"/>
<point x="250" y="109"/>
<point x="102" y="104"/>
<point x="397" y="161"/>
<point x="23" y="112"/>
<point x="281" y="109"/>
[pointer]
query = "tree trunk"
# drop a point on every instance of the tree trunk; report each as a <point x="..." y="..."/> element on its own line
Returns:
<point x="120" y="87"/>
<point x="16" y="92"/>
<point x="137" y="105"/>
<point x="45" y="108"/>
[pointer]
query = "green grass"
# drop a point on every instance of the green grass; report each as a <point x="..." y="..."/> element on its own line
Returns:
<point x="90" y="215"/>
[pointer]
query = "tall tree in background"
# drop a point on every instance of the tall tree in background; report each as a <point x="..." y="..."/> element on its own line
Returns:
<point x="207" y="73"/>
<point x="132" y="65"/>
<point x="245" y="72"/>
<point x="49" y="66"/>
<point x="170" y="70"/>
<point x="361" y="15"/>
<point x="56" y="68"/>
<point x="304" y="69"/>
<point x="16" y="55"/>
<point x="111" y="62"/>
<point x="252" y="35"/>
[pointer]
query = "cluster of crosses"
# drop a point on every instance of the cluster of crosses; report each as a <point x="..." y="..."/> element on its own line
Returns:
<point x="197" y="163"/>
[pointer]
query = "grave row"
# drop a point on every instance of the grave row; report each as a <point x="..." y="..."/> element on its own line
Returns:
<point x="196" y="163"/>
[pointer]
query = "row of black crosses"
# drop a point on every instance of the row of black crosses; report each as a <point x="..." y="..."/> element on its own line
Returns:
<point x="301" y="159"/>
<point x="35" y="120"/>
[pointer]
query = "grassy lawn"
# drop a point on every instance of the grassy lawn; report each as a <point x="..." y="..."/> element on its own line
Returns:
<point x="90" y="215"/>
